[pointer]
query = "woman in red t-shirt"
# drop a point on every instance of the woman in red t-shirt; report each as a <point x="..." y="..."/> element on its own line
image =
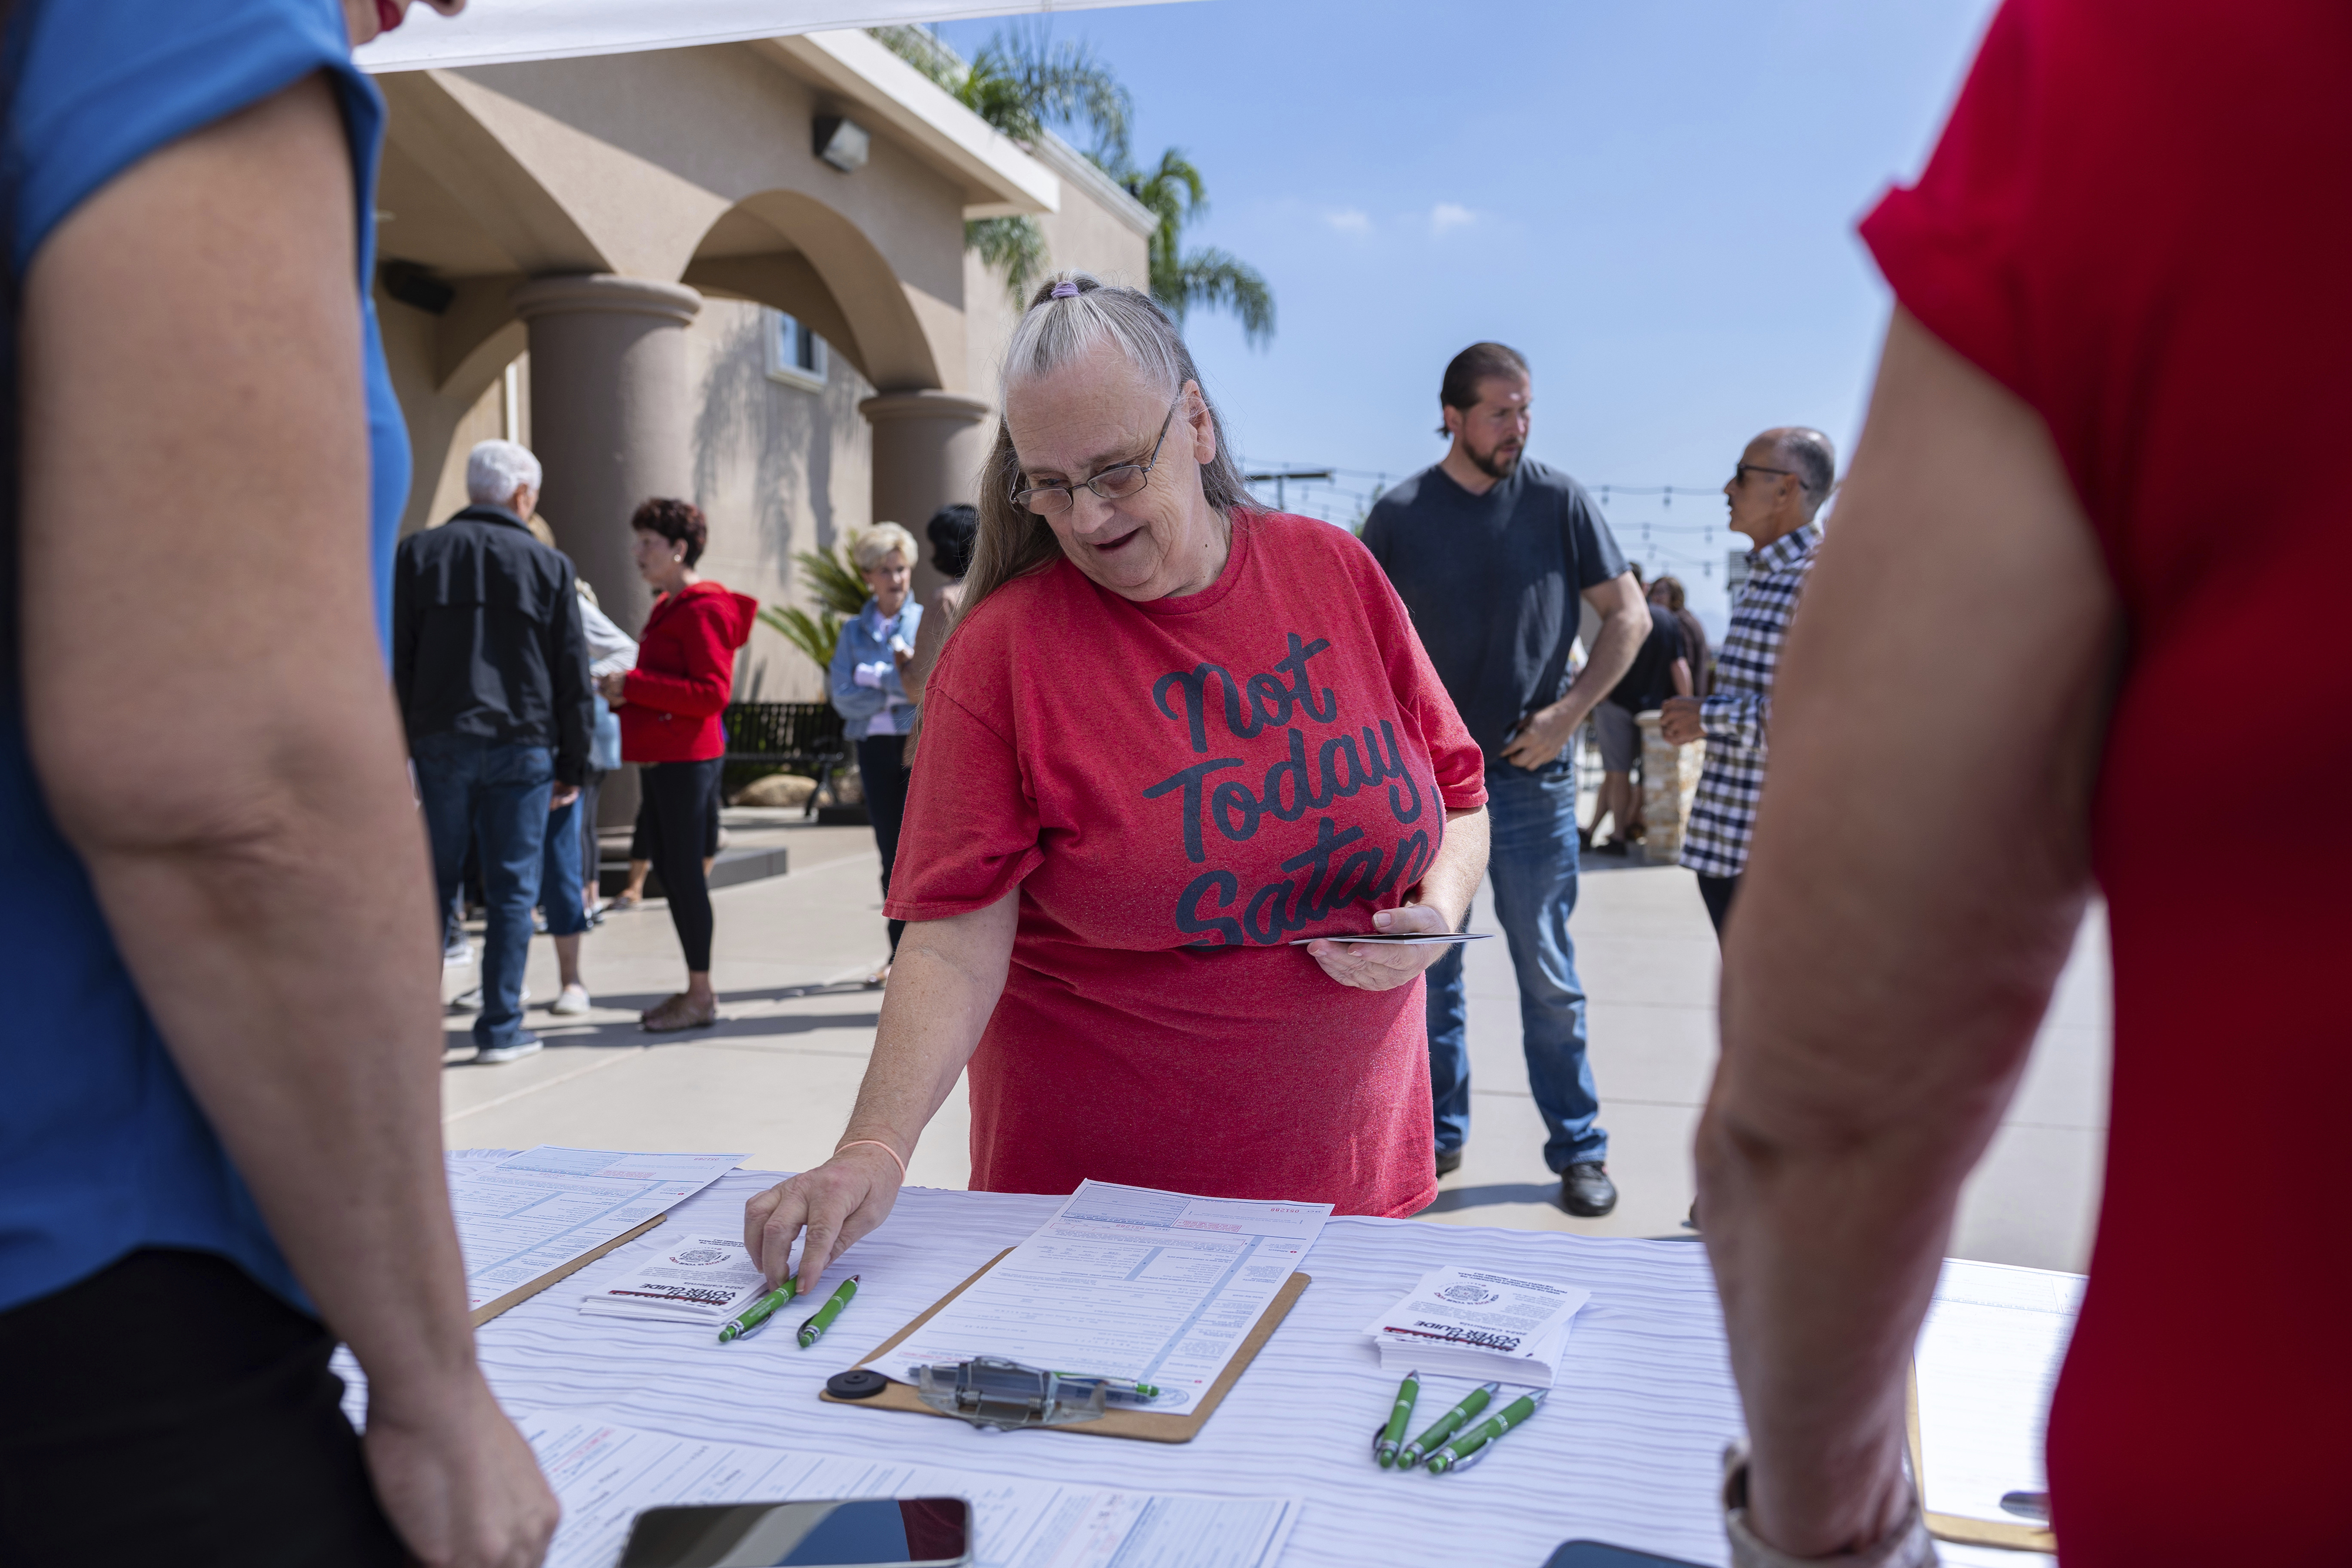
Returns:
<point x="1170" y="735"/>
<point x="668" y="707"/>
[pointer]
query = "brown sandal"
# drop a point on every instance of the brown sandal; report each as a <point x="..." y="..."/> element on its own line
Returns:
<point x="677" y="1013"/>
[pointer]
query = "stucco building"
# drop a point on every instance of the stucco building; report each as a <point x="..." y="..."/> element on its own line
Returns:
<point x="734" y="273"/>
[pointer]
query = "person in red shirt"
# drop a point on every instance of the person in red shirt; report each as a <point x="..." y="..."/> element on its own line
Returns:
<point x="669" y="709"/>
<point x="1170" y="734"/>
<point x="2104" y="454"/>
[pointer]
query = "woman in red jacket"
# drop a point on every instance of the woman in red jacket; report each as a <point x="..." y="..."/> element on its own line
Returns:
<point x="669" y="707"/>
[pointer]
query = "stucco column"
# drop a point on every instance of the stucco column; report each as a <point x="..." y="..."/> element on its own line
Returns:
<point x="928" y="447"/>
<point x="609" y="421"/>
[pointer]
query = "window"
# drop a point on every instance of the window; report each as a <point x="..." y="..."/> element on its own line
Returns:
<point x="795" y="353"/>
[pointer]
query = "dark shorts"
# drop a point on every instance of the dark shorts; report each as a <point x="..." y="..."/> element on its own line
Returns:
<point x="1619" y="736"/>
<point x="168" y="1409"/>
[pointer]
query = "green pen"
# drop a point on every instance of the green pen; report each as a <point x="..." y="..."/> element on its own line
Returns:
<point x="1118" y="1386"/>
<point x="1391" y="1437"/>
<point x="759" y="1312"/>
<point x="1446" y="1426"/>
<point x="821" y="1319"/>
<point x="1467" y="1448"/>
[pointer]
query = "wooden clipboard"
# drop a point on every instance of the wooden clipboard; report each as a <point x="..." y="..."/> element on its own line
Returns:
<point x="1151" y="1427"/>
<point x="1959" y="1528"/>
<point x="524" y="1292"/>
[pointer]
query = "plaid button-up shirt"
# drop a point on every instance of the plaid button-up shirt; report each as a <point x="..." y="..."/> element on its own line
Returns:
<point x="1734" y="716"/>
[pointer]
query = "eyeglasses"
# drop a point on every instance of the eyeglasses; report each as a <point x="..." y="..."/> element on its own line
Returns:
<point x="1115" y="483"/>
<point x="1740" y="474"/>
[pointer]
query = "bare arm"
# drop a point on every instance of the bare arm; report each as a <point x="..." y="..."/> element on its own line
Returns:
<point x="196" y="447"/>
<point x="1439" y="902"/>
<point x="1682" y="678"/>
<point x="943" y="985"/>
<point x="1625" y="622"/>
<point x="1919" y="867"/>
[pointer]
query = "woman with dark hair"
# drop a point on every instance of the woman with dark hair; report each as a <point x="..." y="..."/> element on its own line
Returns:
<point x="952" y="531"/>
<point x="1668" y="594"/>
<point x="669" y="707"/>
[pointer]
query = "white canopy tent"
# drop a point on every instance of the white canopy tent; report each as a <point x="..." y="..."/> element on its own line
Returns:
<point x="493" y="32"/>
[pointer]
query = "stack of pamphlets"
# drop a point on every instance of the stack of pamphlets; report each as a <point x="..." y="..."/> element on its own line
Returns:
<point x="1477" y="1323"/>
<point x="682" y="1279"/>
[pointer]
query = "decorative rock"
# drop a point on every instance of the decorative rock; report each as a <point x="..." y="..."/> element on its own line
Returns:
<point x="786" y="790"/>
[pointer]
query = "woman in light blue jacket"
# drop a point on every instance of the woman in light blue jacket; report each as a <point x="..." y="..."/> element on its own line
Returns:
<point x="875" y="649"/>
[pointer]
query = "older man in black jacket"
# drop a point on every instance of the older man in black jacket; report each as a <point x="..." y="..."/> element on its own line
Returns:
<point x="491" y="665"/>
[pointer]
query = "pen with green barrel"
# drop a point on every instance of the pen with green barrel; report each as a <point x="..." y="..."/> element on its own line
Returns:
<point x="1466" y="1448"/>
<point x="1446" y="1426"/>
<point x="1116" y="1388"/>
<point x="759" y="1312"/>
<point x="821" y="1319"/>
<point x="1390" y="1437"/>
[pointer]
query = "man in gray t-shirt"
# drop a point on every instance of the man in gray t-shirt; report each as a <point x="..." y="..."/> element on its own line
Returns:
<point x="1493" y="552"/>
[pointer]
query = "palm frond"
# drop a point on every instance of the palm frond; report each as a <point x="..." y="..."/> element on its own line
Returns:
<point x="1014" y="246"/>
<point x="834" y="582"/>
<point x="1220" y="281"/>
<point x="816" y="635"/>
<point x="922" y="48"/>
<point x="1035" y="82"/>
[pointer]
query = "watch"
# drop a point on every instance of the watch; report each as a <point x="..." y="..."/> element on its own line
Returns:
<point x="1908" y="1545"/>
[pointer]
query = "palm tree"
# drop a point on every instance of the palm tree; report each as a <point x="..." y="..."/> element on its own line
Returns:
<point x="1205" y="275"/>
<point x="1019" y="84"/>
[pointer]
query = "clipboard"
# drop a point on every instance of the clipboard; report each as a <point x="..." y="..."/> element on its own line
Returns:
<point x="1959" y="1528"/>
<point x="525" y="1291"/>
<point x="1151" y="1427"/>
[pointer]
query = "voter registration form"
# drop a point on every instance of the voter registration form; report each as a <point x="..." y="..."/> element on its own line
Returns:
<point x="604" y="1474"/>
<point x="520" y="1216"/>
<point x="1125" y="1281"/>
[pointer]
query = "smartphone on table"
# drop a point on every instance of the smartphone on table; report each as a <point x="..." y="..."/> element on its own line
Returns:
<point x="1597" y="1555"/>
<point x="856" y="1532"/>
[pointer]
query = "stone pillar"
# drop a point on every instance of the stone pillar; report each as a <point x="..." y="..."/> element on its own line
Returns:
<point x="1669" y="780"/>
<point x="928" y="447"/>
<point x="610" y="416"/>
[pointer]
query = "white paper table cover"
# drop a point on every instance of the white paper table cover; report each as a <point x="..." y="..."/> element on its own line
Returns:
<point x="1627" y="1451"/>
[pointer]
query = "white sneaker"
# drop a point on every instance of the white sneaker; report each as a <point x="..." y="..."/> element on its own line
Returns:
<point x="572" y="1002"/>
<point x="524" y="1045"/>
<point x="457" y="953"/>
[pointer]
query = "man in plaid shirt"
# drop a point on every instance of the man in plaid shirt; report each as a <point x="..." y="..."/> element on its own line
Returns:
<point x="1781" y="481"/>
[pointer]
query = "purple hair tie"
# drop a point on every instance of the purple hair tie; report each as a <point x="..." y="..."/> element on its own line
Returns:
<point x="1065" y="289"/>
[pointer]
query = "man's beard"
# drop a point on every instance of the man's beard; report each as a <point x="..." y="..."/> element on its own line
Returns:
<point x="1500" y="463"/>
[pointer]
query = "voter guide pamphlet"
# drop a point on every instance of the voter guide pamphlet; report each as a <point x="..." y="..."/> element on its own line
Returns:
<point x="1477" y="1323"/>
<point x="682" y="1279"/>
<point x="522" y="1216"/>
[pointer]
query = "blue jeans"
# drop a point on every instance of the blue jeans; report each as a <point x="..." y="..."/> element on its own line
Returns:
<point x="1533" y="868"/>
<point x="498" y="796"/>
<point x="560" y="891"/>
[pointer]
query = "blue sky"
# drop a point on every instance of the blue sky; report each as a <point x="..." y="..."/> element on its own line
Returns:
<point x="1653" y="200"/>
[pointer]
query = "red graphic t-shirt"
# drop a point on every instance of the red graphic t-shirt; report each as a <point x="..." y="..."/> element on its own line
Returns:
<point x="1180" y="789"/>
<point x="2137" y="221"/>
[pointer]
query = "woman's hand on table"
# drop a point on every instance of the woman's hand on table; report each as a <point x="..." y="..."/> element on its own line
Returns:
<point x="1378" y="966"/>
<point x="838" y="1203"/>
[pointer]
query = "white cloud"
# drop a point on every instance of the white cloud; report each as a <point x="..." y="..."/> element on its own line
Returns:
<point x="1349" y="221"/>
<point x="1447" y="215"/>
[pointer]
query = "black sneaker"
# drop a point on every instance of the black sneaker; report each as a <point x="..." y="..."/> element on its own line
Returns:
<point x="1448" y="1161"/>
<point x="1586" y="1191"/>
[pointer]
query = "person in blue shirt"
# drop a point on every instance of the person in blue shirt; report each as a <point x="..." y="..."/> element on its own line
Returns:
<point x="869" y="664"/>
<point x="219" y="1097"/>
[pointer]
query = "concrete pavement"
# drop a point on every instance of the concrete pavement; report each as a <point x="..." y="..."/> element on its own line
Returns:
<point x="777" y="1076"/>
